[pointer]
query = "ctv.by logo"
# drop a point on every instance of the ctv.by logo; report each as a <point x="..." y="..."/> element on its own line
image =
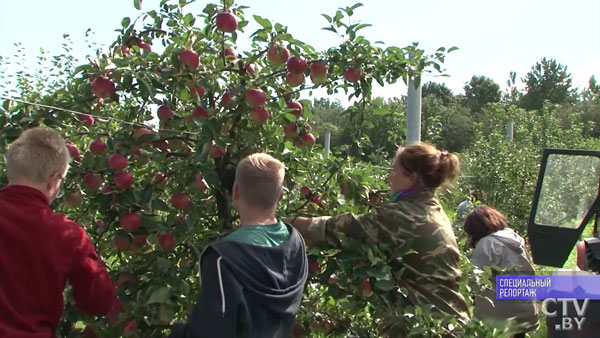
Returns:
<point x="568" y="320"/>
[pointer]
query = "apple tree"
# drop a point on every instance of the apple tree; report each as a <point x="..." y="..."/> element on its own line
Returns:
<point x="155" y="127"/>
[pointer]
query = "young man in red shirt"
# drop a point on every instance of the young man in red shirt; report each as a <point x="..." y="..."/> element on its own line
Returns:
<point x="41" y="250"/>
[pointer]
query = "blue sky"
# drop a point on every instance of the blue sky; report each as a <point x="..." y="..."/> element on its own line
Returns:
<point x="494" y="37"/>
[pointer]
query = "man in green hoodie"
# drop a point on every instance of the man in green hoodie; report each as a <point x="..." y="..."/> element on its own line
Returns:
<point x="252" y="280"/>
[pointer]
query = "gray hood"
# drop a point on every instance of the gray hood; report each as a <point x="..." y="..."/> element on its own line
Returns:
<point x="510" y="238"/>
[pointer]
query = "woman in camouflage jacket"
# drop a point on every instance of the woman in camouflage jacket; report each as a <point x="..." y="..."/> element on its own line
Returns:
<point x="414" y="221"/>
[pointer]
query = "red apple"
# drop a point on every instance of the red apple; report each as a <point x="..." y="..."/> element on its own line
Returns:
<point x="298" y="143"/>
<point x="139" y="132"/>
<point x="92" y="181"/>
<point x="313" y="266"/>
<point x="308" y="139"/>
<point x="294" y="80"/>
<point x="249" y="68"/>
<point x="291" y="131"/>
<point x="297" y="106"/>
<point x="278" y="55"/>
<point x="164" y="113"/>
<point x="121" y="243"/>
<point x="160" y="180"/>
<point x="145" y="46"/>
<point x="124" y="50"/>
<point x="130" y="221"/>
<point x="216" y="151"/>
<point x="86" y="119"/>
<point x="226" y="99"/>
<point x="98" y="147"/>
<point x="199" y="182"/>
<point x="367" y="290"/>
<point x="259" y="115"/>
<point x="333" y="279"/>
<point x="296" y="65"/>
<point x="112" y="317"/>
<point x="304" y="191"/>
<point x="123" y="180"/>
<point x="189" y="58"/>
<point x="181" y="201"/>
<point x="103" y="87"/>
<point x="197" y="91"/>
<point x="167" y="241"/>
<point x="316" y="325"/>
<point x="318" y="72"/>
<point x="73" y="200"/>
<point x="129" y="328"/>
<point x="352" y="74"/>
<point x="226" y="22"/>
<point x="373" y="197"/>
<point x="117" y="162"/>
<point x="345" y="189"/>
<point x="106" y="190"/>
<point x="162" y="145"/>
<point x="229" y="54"/>
<point x="125" y="278"/>
<point x="140" y="240"/>
<point x="200" y="112"/>
<point x="255" y="97"/>
<point x="318" y="200"/>
<point x="224" y="128"/>
<point x="73" y="151"/>
<point x="100" y="224"/>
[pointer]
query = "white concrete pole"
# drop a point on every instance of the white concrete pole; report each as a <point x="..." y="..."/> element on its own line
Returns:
<point x="510" y="129"/>
<point x="327" y="143"/>
<point x="413" y="113"/>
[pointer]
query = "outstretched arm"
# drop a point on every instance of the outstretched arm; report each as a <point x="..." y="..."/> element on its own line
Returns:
<point x="316" y="230"/>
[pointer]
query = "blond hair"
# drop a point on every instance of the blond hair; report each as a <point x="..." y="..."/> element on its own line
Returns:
<point x="260" y="180"/>
<point x="35" y="155"/>
<point x="434" y="166"/>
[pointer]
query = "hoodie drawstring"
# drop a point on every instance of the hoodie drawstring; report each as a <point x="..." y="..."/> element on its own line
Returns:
<point x="221" y="286"/>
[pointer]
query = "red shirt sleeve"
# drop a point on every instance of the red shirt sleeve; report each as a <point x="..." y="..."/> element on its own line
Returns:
<point x="93" y="289"/>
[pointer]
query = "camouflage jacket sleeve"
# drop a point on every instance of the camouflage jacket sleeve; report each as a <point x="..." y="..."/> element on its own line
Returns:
<point x="368" y="228"/>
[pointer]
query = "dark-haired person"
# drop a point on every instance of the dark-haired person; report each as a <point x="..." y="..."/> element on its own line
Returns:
<point x="413" y="220"/>
<point x="497" y="245"/>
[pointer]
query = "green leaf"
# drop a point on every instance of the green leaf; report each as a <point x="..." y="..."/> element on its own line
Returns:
<point x="159" y="296"/>
<point x="327" y="17"/>
<point x="381" y="111"/>
<point x="147" y="138"/>
<point x="146" y="195"/>
<point x="189" y="19"/>
<point x="158" y="204"/>
<point x="182" y="3"/>
<point x="266" y="24"/>
<point x="452" y="49"/>
<point x="356" y="5"/>
<point x="163" y="263"/>
<point x="384" y="285"/>
<point x="166" y="314"/>
<point x="137" y="4"/>
<point x="125" y="22"/>
<point x="361" y="26"/>
<point x="331" y="29"/>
